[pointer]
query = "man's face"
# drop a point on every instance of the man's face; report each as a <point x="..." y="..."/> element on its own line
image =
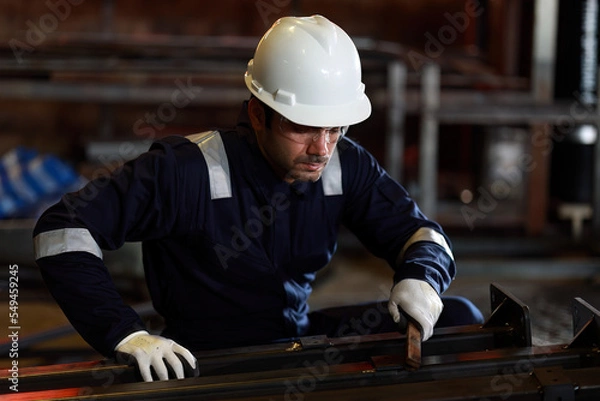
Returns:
<point x="296" y="152"/>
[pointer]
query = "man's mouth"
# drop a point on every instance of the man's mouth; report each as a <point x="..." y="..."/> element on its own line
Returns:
<point x="312" y="166"/>
<point x="314" y="163"/>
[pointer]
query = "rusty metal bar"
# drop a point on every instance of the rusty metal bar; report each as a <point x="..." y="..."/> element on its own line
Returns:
<point x="316" y="378"/>
<point x="500" y="332"/>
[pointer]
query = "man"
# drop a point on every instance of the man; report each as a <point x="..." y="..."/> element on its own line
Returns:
<point x="235" y="223"/>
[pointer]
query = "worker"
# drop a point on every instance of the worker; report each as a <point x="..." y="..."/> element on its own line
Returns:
<point x="235" y="223"/>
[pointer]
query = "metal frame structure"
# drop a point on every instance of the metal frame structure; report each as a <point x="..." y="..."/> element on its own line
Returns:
<point x="214" y="60"/>
<point x="490" y="361"/>
<point x="536" y="109"/>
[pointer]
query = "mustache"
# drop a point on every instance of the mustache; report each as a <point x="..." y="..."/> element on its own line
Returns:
<point x="313" y="159"/>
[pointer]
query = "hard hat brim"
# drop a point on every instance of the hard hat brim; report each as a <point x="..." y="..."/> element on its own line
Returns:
<point x="351" y="113"/>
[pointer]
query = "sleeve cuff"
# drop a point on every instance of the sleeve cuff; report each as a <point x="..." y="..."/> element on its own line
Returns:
<point x="129" y="337"/>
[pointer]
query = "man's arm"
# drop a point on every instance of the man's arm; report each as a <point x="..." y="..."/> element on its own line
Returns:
<point x="136" y="203"/>
<point x="82" y="287"/>
<point x="380" y="212"/>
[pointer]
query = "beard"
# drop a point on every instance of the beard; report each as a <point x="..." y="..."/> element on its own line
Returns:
<point x="307" y="168"/>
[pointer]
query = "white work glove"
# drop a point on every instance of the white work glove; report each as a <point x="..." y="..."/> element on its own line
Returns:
<point x="161" y="354"/>
<point x="419" y="301"/>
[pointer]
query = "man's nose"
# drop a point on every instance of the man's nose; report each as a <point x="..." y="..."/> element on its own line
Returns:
<point x="319" y="146"/>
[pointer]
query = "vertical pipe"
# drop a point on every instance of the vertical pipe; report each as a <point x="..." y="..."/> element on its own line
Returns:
<point x="596" y="172"/>
<point x="108" y="10"/>
<point x="590" y="89"/>
<point x="545" y="32"/>
<point x="428" y="149"/>
<point x="589" y="52"/>
<point x="396" y="115"/>
<point x="544" y="49"/>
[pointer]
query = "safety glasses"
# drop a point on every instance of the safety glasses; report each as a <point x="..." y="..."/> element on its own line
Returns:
<point x="306" y="135"/>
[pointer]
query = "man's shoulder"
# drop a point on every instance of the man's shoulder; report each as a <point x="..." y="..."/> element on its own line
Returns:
<point x="352" y="152"/>
<point x="168" y="143"/>
<point x="176" y="151"/>
<point x="181" y="147"/>
<point x="175" y="142"/>
<point x="360" y="168"/>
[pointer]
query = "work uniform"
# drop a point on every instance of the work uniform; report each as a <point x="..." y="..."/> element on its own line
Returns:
<point x="229" y="249"/>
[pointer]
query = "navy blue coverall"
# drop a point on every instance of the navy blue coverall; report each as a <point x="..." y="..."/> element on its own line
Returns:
<point x="229" y="248"/>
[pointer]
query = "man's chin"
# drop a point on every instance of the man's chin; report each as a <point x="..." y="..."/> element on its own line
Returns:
<point x="305" y="176"/>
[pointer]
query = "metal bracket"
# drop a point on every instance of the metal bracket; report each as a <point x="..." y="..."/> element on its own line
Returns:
<point x="508" y="310"/>
<point x="586" y="325"/>
<point x="554" y="384"/>
<point x="312" y="342"/>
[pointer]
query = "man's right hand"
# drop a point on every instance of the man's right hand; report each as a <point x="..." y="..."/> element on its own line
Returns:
<point x="419" y="300"/>
<point x="151" y="353"/>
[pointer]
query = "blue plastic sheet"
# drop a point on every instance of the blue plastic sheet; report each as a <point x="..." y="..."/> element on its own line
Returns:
<point x="30" y="182"/>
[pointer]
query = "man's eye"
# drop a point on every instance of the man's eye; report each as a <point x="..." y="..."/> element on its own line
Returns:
<point x="304" y="130"/>
<point x="299" y="129"/>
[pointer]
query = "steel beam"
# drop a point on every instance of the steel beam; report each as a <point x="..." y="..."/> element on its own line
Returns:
<point x="467" y="376"/>
<point x="504" y="329"/>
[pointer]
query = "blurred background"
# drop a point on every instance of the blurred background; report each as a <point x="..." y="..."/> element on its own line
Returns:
<point x="486" y="111"/>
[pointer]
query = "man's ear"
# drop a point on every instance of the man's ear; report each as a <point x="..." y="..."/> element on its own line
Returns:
<point x="256" y="112"/>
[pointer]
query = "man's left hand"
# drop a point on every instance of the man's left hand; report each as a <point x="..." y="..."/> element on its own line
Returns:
<point x="151" y="353"/>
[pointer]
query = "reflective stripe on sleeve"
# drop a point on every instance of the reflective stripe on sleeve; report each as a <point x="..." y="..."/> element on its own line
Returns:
<point x="55" y="242"/>
<point x="429" y="235"/>
<point x="332" y="176"/>
<point x="211" y="145"/>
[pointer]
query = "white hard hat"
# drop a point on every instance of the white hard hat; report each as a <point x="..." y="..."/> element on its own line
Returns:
<point x="308" y="70"/>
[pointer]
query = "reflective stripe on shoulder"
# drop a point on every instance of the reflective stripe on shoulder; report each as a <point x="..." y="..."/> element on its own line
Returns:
<point x="211" y="145"/>
<point x="332" y="176"/>
<point x="64" y="240"/>
<point x="429" y="235"/>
